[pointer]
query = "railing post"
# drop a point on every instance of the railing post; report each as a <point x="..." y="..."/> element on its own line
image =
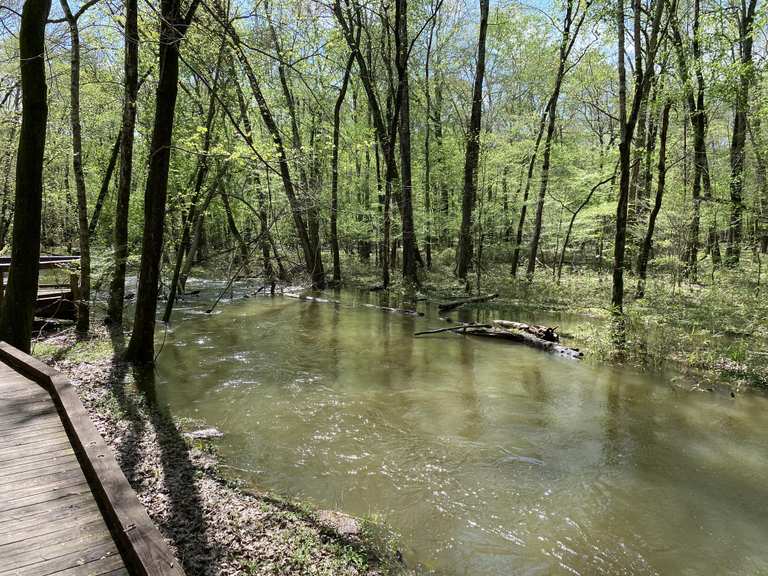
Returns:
<point x="74" y="286"/>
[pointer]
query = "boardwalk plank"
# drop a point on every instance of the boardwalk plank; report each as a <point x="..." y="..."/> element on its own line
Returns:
<point x="66" y="508"/>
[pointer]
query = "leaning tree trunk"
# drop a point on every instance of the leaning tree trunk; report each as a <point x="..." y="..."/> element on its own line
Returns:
<point x="526" y="190"/>
<point x="141" y="347"/>
<point x="120" y="234"/>
<point x="104" y="190"/>
<point x="201" y="173"/>
<point x="472" y="157"/>
<point x="645" y="249"/>
<point x="18" y="306"/>
<point x="314" y="266"/>
<point x="566" y="45"/>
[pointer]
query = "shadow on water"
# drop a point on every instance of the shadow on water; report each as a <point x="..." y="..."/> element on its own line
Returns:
<point x="184" y="523"/>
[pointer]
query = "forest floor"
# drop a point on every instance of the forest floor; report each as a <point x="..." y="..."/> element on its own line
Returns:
<point x="714" y="331"/>
<point x="214" y="525"/>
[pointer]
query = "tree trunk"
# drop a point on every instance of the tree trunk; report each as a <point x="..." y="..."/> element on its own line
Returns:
<point x="314" y="266"/>
<point x="427" y="146"/>
<point x="201" y="173"/>
<point x="308" y="205"/>
<point x="645" y="249"/>
<point x="232" y="225"/>
<point x="472" y="156"/>
<point x="120" y="237"/>
<point x="406" y="204"/>
<point x="141" y="347"/>
<point x="526" y="191"/>
<point x="746" y="18"/>
<point x="335" y="171"/>
<point x="84" y="289"/>
<point x="697" y="116"/>
<point x="628" y="120"/>
<point x="18" y="305"/>
<point x="105" y="185"/>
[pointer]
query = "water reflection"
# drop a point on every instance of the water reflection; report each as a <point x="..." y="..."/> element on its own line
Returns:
<point x="488" y="458"/>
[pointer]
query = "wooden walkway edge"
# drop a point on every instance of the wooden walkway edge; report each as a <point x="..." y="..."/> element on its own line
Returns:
<point x="142" y="547"/>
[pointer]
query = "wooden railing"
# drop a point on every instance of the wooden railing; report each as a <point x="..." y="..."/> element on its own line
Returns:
<point x="48" y="263"/>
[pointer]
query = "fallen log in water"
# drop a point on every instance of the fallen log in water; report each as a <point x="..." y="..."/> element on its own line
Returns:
<point x="506" y="330"/>
<point x="310" y="298"/>
<point x="547" y="333"/>
<point x="403" y="311"/>
<point x="453" y="304"/>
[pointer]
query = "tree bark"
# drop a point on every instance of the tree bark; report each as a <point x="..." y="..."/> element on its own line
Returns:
<point x="472" y="156"/>
<point x="173" y="26"/>
<point x="628" y="120"/>
<point x="645" y="248"/>
<point x="18" y="306"/>
<point x="120" y="235"/>
<point x="335" y="171"/>
<point x="104" y="190"/>
<point x="569" y="34"/>
<point x="84" y="290"/>
<point x="406" y="175"/>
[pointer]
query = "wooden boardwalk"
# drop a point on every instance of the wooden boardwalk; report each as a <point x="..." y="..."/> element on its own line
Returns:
<point x="50" y="522"/>
<point x="65" y="507"/>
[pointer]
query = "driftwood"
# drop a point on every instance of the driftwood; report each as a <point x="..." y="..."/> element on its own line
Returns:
<point x="547" y="333"/>
<point x="403" y="311"/>
<point x="310" y="298"/>
<point x="516" y="332"/>
<point x="459" y="328"/>
<point x="453" y="304"/>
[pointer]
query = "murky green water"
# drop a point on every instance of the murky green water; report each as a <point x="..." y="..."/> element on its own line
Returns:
<point x="488" y="458"/>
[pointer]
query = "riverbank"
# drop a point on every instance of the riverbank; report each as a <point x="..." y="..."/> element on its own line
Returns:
<point x="215" y="526"/>
<point x="713" y="331"/>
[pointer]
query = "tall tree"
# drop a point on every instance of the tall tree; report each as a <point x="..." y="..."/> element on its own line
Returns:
<point x="130" y="93"/>
<point x="18" y="306"/>
<point x="349" y="20"/>
<point x="84" y="292"/>
<point x="645" y="248"/>
<point x="173" y="27"/>
<point x="745" y="20"/>
<point x="628" y="120"/>
<point x="335" y="170"/>
<point x="472" y="154"/>
<point x="404" y="128"/>
<point x="697" y="116"/>
<point x="572" y="22"/>
<point x="310" y="249"/>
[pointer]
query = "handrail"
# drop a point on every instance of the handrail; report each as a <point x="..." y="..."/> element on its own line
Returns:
<point x="45" y="262"/>
<point x="140" y="543"/>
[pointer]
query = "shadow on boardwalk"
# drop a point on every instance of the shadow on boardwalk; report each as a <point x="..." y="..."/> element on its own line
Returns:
<point x="156" y="460"/>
